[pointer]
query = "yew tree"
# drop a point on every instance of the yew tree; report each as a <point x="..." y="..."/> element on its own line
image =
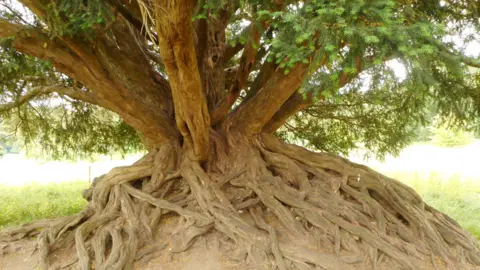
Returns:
<point x="214" y="90"/>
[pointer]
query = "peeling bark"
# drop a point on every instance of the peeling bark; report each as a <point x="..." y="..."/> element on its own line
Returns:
<point x="247" y="62"/>
<point x="177" y="48"/>
<point x="254" y="114"/>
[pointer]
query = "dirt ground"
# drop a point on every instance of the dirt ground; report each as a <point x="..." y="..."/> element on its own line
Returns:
<point x="208" y="253"/>
<point x="202" y="255"/>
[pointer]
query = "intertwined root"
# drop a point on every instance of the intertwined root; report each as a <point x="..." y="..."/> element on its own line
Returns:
<point x="277" y="205"/>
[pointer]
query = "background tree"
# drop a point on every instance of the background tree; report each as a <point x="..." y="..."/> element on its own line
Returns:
<point x="203" y="86"/>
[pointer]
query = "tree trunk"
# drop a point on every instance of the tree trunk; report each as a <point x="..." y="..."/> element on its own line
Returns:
<point x="265" y="204"/>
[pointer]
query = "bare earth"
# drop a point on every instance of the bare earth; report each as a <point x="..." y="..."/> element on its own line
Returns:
<point x="204" y="254"/>
<point x="209" y="252"/>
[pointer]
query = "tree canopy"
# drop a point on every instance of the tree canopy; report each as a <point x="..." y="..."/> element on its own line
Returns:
<point x="91" y="76"/>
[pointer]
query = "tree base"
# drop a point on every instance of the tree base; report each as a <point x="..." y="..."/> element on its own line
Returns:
<point x="263" y="205"/>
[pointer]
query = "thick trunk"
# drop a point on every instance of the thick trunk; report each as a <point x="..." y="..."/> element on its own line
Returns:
<point x="177" y="48"/>
<point x="264" y="203"/>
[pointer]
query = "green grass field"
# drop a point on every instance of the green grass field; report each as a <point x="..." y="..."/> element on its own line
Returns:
<point x="456" y="196"/>
<point x="20" y="204"/>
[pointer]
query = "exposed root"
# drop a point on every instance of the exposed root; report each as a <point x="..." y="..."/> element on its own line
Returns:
<point x="276" y="205"/>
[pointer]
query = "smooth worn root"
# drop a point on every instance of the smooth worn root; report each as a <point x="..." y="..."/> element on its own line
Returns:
<point x="277" y="205"/>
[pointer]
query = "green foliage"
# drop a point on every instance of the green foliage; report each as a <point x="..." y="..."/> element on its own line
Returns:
<point x="440" y="132"/>
<point x="8" y="142"/>
<point x="20" y="204"/>
<point x="319" y="28"/>
<point x="379" y="110"/>
<point x="74" y="17"/>
<point x="72" y="130"/>
<point x="62" y="127"/>
<point x="381" y="120"/>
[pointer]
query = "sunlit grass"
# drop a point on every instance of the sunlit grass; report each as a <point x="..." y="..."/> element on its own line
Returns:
<point x="455" y="195"/>
<point x="20" y="204"/>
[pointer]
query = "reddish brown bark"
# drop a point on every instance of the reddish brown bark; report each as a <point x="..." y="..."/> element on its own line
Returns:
<point x="137" y="101"/>
<point x="298" y="102"/>
<point x="247" y="62"/>
<point x="177" y="48"/>
<point x="294" y="104"/>
<point x="256" y="112"/>
<point x="212" y="61"/>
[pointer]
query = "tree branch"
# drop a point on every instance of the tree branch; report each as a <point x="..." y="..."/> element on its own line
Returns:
<point x="297" y="102"/>
<point x="59" y="89"/>
<point x="35" y="92"/>
<point x="232" y="50"/>
<point x="247" y="62"/>
<point x="37" y="7"/>
<point x="137" y="105"/>
<point x="469" y="61"/>
<point x="8" y="29"/>
<point x="253" y="115"/>
<point x="210" y="54"/>
<point x="177" y="48"/>
<point x="88" y="97"/>
<point x="230" y="74"/>
<point x="294" y="104"/>
<point x="266" y="72"/>
<point x="125" y="12"/>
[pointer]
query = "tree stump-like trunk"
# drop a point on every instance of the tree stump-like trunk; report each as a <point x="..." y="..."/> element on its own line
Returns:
<point x="269" y="205"/>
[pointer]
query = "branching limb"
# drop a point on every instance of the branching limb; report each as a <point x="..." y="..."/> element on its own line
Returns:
<point x="130" y="17"/>
<point x="294" y="104"/>
<point x="232" y="50"/>
<point x="265" y="73"/>
<point x="60" y="89"/>
<point x="37" y="91"/>
<point x="177" y="48"/>
<point x="298" y="102"/>
<point x="137" y="105"/>
<point x="254" y="114"/>
<point x="247" y="63"/>
<point x="88" y="97"/>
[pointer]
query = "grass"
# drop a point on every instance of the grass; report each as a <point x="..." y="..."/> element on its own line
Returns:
<point x="21" y="204"/>
<point x="456" y="196"/>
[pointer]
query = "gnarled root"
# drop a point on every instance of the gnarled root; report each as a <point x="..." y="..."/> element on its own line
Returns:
<point x="276" y="205"/>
